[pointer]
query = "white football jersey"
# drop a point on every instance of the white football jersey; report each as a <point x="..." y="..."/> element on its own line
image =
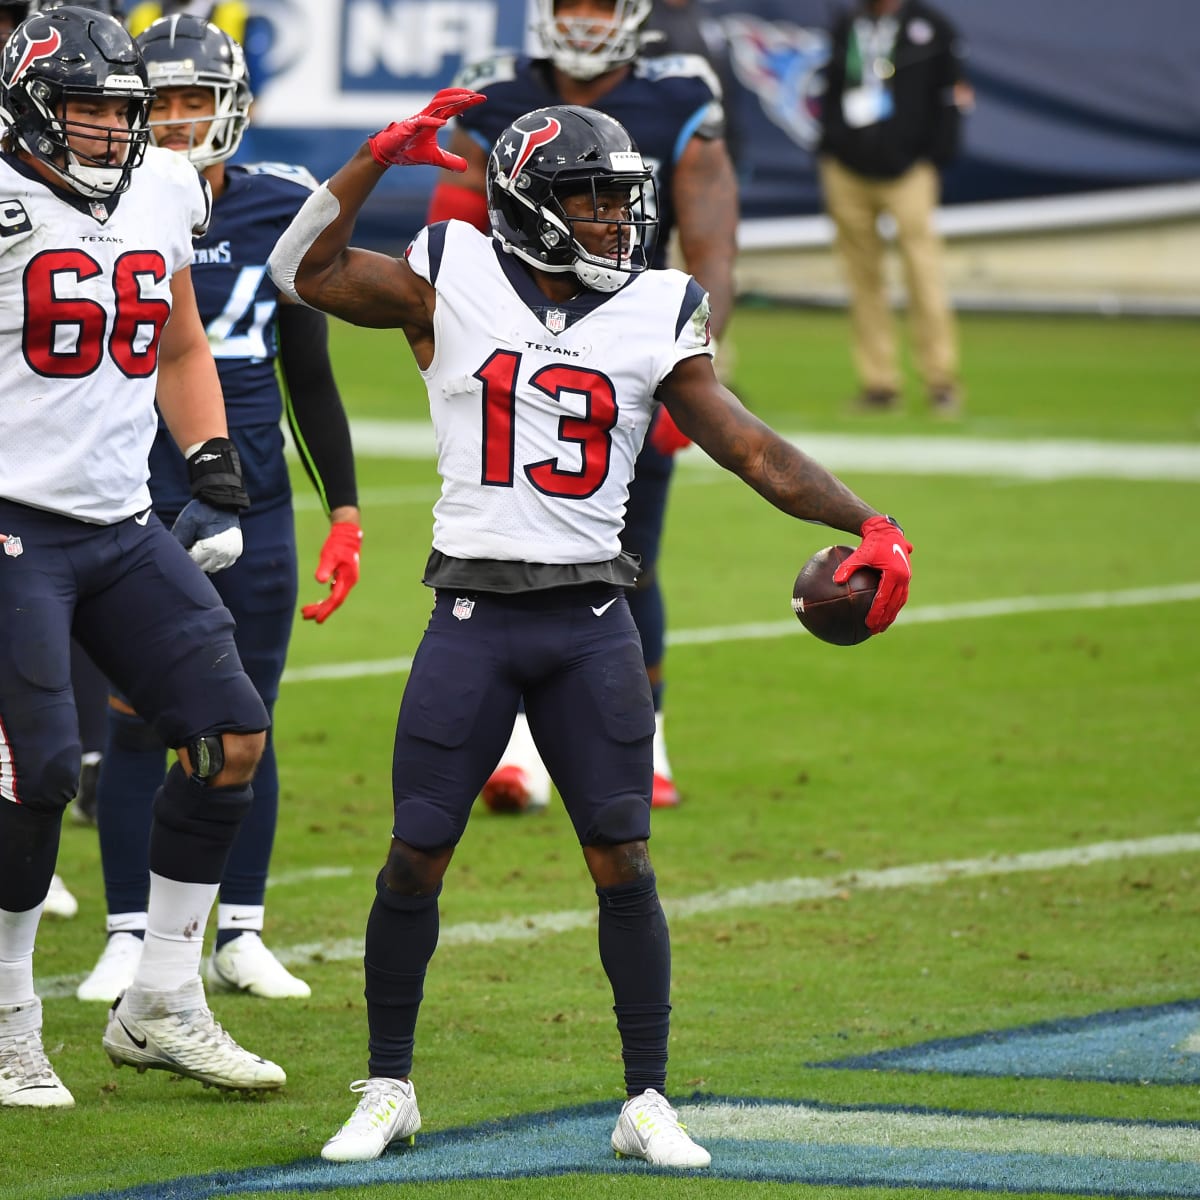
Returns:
<point x="83" y="299"/>
<point x="540" y="409"/>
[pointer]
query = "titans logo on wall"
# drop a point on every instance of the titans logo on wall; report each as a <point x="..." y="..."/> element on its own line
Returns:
<point x="781" y="64"/>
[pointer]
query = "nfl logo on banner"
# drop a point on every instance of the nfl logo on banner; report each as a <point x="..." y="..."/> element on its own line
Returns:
<point x="556" y="320"/>
<point x="463" y="608"/>
<point x="13" y="547"/>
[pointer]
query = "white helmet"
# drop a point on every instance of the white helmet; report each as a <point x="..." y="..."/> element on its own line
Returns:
<point x="583" y="47"/>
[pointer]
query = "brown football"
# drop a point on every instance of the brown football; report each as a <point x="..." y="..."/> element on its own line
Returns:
<point x="834" y="612"/>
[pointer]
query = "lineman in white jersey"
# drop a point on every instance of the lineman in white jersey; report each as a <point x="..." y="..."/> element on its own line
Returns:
<point x="545" y="349"/>
<point x="97" y="314"/>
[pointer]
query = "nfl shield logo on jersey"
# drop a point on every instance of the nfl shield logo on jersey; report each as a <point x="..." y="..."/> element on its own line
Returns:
<point x="13" y="547"/>
<point x="463" y="608"/>
<point x="556" y="320"/>
<point x="99" y="211"/>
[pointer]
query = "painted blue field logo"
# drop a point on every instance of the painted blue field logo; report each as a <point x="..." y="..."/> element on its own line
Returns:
<point x="808" y="1142"/>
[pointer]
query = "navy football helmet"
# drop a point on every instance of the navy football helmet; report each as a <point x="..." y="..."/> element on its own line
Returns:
<point x="185" y="51"/>
<point x="74" y="53"/>
<point x="583" y="47"/>
<point x="566" y="150"/>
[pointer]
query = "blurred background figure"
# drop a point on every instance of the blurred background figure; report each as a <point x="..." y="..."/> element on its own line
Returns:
<point x="11" y="15"/>
<point x="891" y="113"/>
<point x="201" y="109"/>
<point x="674" y="112"/>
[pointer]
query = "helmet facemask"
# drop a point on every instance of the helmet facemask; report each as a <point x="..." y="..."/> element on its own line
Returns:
<point x="108" y="170"/>
<point x="583" y="47"/>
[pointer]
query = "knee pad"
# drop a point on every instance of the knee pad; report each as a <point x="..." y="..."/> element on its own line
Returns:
<point x="402" y="901"/>
<point x="52" y="784"/>
<point x="424" y="826"/>
<point x="622" y="819"/>
<point x="188" y="805"/>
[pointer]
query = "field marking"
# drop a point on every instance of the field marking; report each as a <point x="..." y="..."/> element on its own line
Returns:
<point x="1035" y="458"/>
<point x="766" y="894"/>
<point x="924" y="614"/>
<point x="939" y="1131"/>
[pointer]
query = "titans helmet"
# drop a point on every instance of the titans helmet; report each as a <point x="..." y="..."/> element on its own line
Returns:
<point x="185" y="51"/>
<point x="76" y="54"/>
<point x="561" y="151"/>
<point x="584" y="47"/>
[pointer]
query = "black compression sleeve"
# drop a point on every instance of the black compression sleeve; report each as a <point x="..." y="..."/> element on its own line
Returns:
<point x="314" y="407"/>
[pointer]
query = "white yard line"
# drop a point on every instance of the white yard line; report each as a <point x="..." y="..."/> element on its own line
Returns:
<point x="953" y="1131"/>
<point x="768" y="893"/>
<point x="1046" y="459"/>
<point x="765" y="630"/>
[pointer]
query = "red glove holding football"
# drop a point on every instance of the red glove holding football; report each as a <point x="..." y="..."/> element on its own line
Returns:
<point x="339" y="562"/>
<point x="885" y="548"/>
<point x="665" y="436"/>
<point x="404" y="143"/>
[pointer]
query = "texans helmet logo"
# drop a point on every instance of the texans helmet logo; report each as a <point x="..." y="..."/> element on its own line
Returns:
<point x="41" y="48"/>
<point x="531" y="140"/>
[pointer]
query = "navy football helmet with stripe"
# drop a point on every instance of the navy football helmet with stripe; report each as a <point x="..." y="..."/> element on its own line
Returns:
<point x="566" y="150"/>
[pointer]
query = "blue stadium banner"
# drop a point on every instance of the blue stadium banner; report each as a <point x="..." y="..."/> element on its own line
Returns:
<point x="1071" y="96"/>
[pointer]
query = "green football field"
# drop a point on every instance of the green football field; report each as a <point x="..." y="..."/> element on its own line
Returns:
<point x="935" y="899"/>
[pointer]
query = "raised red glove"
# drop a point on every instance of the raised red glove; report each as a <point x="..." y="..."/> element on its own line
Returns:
<point x="404" y="143"/>
<point x="339" y="562"/>
<point x="885" y="548"/>
<point x="665" y="436"/>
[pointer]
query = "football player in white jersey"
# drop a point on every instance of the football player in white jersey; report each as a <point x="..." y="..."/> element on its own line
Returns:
<point x="97" y="317"/>
<point x="546" y="349"/>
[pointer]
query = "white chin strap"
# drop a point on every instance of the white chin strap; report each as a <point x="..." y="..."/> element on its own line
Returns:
<point x="598" y="278"/>
<point x="93" y="181"/>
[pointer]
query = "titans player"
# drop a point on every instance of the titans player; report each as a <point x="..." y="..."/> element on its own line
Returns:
<point x="200" y="110"/>
<point x="672" y="108"/>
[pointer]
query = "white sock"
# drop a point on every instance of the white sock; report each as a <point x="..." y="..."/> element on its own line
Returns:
<point x="175" y="921"/>
<point x="241" y="918"/>
<point x="17" y="934"/>
<point x="662" y="764"/>
<point x="130" y="922"/>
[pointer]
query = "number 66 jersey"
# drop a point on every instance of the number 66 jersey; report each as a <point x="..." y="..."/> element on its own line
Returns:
<point x="85" y="290"/>
<point x="540" y="408"/>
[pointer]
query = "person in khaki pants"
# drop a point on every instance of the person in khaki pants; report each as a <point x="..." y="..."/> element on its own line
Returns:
<point x="890" y="116"/>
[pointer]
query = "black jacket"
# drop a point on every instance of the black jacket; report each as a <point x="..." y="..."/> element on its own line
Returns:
<point x="924" y="124"/>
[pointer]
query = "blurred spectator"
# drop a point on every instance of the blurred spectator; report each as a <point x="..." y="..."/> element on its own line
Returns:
<point x="229" y="15"/>
<point x="896" y="89"/>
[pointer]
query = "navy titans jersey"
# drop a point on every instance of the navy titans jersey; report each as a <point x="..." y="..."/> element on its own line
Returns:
<point x="662" y="102"/>
<point x="237" y="302"/>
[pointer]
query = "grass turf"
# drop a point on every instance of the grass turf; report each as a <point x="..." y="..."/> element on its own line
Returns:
<point x="939" y="741"/>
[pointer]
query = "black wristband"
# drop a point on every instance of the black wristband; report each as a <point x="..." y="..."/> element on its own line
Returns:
<point x="215" y="475"/>
<point x="893" y="521"/>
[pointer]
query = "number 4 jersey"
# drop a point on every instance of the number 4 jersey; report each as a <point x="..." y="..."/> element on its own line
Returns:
<point x="541" y="408"/>
<point x="85" y="290"/>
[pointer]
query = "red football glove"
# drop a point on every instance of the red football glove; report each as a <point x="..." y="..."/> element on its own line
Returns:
<point x="339" y="562"/>
<point x="404" y="143"/>
<point x="665" y="436"/>
<point x="885" y="548"/>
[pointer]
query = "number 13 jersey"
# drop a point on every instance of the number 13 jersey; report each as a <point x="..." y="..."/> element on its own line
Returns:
<point x="540" y="408"/>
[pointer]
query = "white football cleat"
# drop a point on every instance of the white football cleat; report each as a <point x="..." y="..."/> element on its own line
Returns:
<point x="386" y="1113"/>
<point x="649" y="1128"/>
<point x="665" y="794"/>
<point x="245" y="964"/>
<point x="27" y="1080"/>
<point x="520" y="780"/>
<point x="59" y="902"/>
<point x="174" y="1031"/>
<point x="114" y="969"/>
